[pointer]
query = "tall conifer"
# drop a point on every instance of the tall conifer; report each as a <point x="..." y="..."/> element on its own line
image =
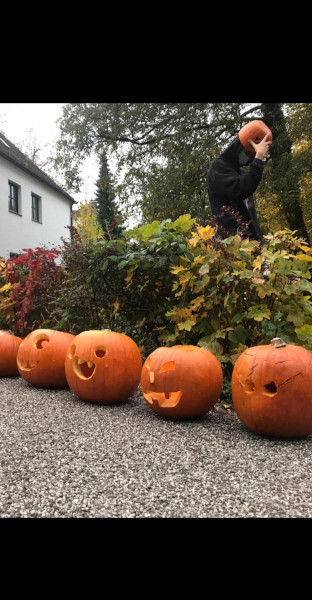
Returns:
<point x="108" y="214"/>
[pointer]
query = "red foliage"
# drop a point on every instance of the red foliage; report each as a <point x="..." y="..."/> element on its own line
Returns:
<point x="27" y="274"/>
<point x="242" y="226"/>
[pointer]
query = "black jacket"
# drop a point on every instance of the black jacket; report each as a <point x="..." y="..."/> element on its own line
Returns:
<point x="229" y="185"/>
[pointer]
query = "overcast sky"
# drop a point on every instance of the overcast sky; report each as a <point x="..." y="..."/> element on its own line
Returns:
<point x="16" y="121"/>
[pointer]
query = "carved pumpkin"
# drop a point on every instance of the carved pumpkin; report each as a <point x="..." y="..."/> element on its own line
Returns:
<point x="181" y="381"/>
<point x="41" y="357"/>
<point x="103" y="366"/>
<point x="9" y="345"/>
<point x="255" y="131"/>
<point x="272" y="389"/>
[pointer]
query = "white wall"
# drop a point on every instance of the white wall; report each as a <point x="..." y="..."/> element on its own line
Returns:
<point x="18" y="232"/>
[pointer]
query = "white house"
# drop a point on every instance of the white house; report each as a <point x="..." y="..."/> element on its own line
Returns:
<point x="34" y="210"/>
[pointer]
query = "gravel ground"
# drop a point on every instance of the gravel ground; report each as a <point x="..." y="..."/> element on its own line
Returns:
<point x="62" y="457"/>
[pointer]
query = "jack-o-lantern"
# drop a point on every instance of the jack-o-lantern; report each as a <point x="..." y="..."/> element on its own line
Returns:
<point x="103" y="366"/>
<point x="41" y="357"/>
<point x="181" y="381"/>
<point x="272" y="389"/>
<point x="255" y="130"/>
<point x="9" y="345"/>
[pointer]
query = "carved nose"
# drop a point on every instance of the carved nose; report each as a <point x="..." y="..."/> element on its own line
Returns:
<point x="152" y="377"/>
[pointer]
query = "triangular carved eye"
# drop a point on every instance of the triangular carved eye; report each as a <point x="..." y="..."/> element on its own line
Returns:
<point x="169" y="366"/>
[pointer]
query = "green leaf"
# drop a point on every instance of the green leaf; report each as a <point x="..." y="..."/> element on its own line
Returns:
<point x="258" y="313"/>
<point x="199" y="284"/>
<point x="132" y="233"/>
<point x="277" y="317"/>
<point x="122" y="264"/>
<point x="304" y="333"/>
<point x="228" y="278"/>
<point x="239" y="335"/>
<point x="213" y="346"/>
<point x="183" y="223"/>
<point x="187" y="325"/>
<point x="290" y="289"/>
<point x="145" y="232"/>
<point x="298" y="320"/>
<point x="268" y="328"/>
<point x="204" y="269"/>
<point x="244" y="274"/>
<point x="228" y="241"/>
<point x="305" y="286"/>
<point x="239" y="317"/>
<point x="230" y="301"/>
<point x="266" y="290"/>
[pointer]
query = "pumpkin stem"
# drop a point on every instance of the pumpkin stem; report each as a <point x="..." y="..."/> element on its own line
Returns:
<point x="278" y="343"/>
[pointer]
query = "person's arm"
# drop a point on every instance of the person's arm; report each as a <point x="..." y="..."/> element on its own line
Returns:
<point x="235" y="186"/>
<point x="241" y="186"/>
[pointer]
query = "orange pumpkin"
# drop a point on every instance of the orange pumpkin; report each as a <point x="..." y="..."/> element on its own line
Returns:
<point x="103" y="366"/>
<point x="181" y="381"/>
<point x="272" y="389"/>
<point x="9" y="345"/>
<point x="41" y="357"/>
<point x="255" y="131"/>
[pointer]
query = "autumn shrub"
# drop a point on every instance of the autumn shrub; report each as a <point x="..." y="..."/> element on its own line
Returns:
<point x="89" y="290"/>
<point x="29" y="288"/>
<point x="3" y="283"/>
<point x="123" y="284"/>
<point x="226" y="294"/>
<point x="236" y="293"/>
<point x="151" y="252"/>
<point x="255" y="292"/>
<point x="169" y="282"/>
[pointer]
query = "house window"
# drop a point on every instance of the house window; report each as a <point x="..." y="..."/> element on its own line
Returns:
<point x="36" y="208"/>
<point x="13" y="198"/>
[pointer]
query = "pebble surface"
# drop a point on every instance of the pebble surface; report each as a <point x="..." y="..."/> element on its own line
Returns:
<point x="62" y="457"/>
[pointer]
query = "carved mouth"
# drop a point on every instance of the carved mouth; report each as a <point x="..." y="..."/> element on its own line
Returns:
<point x="161" y="400"/>
<point x="27" y="365"/>
<point x="84" y="369"/>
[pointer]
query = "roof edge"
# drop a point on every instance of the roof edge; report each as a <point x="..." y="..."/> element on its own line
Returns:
<point x="35" y="172"/>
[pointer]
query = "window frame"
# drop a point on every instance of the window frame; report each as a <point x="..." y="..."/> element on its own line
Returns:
<point x="36" y="210"/>
<point x="13" y="200"/>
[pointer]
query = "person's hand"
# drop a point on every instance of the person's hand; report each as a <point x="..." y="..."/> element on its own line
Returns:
<point x="262" y="148"/>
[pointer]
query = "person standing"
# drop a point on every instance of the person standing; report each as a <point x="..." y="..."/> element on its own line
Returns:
<point x="231" y="186"/>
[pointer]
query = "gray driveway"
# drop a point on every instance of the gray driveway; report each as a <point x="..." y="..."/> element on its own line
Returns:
<point x="62" y="457"/>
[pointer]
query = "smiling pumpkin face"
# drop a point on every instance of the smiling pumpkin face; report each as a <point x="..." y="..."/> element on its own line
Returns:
<point x="182" y="381"/>
<point x="41" y="357"/>
<point x="103" y="366"/>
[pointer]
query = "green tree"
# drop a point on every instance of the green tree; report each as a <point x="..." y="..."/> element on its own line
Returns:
<point x="300" y="130"/>
<point x="163" y="152"/>
<point x="282" y="177"/>
<point x="109" y="216"/>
